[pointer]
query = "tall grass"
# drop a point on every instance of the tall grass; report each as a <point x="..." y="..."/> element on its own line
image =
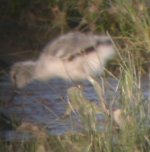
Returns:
<point x="134" y="24"/>
<point x="126" y="129"/>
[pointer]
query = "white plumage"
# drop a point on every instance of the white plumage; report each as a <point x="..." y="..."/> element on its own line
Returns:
<point x="73" y="56"/>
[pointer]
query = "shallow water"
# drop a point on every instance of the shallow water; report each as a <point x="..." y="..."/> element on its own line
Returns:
<point x="44" y="103"/>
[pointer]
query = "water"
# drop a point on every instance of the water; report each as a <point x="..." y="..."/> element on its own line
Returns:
<point x="44" y="103"/>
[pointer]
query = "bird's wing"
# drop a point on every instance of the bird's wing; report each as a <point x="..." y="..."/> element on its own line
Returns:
<point x="71" y="44"/>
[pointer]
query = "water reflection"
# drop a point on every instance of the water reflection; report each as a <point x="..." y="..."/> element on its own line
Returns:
<point x="45" y="102"/>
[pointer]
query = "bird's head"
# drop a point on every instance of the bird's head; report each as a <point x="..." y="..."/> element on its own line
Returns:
<point x="22" y="73"/>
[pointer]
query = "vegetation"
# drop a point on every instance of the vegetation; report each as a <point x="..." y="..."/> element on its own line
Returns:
<point x="128" y="23"/>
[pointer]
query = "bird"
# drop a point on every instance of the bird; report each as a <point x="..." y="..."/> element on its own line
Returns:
<point x="73" y="56"/>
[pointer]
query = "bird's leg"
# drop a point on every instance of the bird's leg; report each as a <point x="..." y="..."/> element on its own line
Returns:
<point x="100" y="94"/>
<point x="72" y="105"/>
<point x="69" y="108"/>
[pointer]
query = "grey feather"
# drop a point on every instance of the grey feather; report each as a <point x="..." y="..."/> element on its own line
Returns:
<point x="74" y="43"/>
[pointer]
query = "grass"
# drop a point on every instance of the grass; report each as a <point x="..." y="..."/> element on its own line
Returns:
<point x="126" y="128"/>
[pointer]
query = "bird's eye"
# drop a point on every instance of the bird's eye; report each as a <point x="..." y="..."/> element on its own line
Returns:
<point x="14" y="79"/>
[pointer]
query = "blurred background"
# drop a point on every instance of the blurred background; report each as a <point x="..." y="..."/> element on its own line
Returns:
<point x="26" y="26"/>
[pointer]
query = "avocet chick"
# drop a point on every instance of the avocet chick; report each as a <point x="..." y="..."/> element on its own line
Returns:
<point x="73" y="56"/>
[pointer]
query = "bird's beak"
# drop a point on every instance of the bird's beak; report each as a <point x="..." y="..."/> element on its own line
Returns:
<point x="15" y="92"/>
